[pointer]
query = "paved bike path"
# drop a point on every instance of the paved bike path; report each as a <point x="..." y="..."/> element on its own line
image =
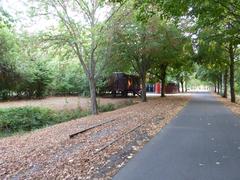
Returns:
<point x="201" y="143"/>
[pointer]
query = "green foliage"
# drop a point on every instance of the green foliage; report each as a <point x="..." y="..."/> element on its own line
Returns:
<point x="29" y="118"/>
<point x="22" y="119"/>
<point x="211" y="57"/>
<point x="25" y="119"/>
<point x="6" y="19"/>
<point x="111" y="107"/>
<point x="69" y="79"/>
<point x="8" y="57"/>
<point x="142" y="36"/>
<point x="107" y="107"/>
<point x="35" y="79"/>
<point x="170" y="48"/>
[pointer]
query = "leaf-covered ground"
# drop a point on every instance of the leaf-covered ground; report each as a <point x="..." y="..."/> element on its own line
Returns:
<point x="98" y="153"/>
<point x="234" y="107"/>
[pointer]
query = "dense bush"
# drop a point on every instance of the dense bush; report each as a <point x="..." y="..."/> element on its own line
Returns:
<point x="26" y="118"/>
<point x="8" y="54"/>
<point x="111" y="107"/>
<point x="29" y="118"/>
<point x="69" y="80"/>
<point x="26" y="71"/>
<point x="23" y="72"/>
<point x="107" y="107"/>
<point x="23" y="119"/>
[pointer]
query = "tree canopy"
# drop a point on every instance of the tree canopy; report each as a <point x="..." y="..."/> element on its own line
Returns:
<point x="157" y="40"/>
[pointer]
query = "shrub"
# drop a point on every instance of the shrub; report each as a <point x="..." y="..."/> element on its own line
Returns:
<point x="25" y="118"/>
<point x="22" y="119"/>
<point x="107" y="107"/>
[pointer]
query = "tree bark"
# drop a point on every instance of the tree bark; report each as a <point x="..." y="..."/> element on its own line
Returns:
<point x="231" y="73"/>
<point x="144" y="92"/>
<point x="218" y="86"/>
<point x="215" y="87"/>
<point x="182" y="85"/>
<point x="225" y="81"/>
<point x="92" y="85"/>
<point x="185" y="86"/>
<point x="162" y="87"/>
<point x="178" y="86"/>
<point x="163" y="79"/>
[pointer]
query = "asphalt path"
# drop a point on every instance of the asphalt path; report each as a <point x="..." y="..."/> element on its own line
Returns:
<point x="201" y="143"/>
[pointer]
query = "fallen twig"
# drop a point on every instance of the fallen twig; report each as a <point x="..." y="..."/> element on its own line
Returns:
<point x="91" y="127"/>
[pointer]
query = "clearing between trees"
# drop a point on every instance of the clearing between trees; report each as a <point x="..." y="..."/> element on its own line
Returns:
<point x="63" y="102"/>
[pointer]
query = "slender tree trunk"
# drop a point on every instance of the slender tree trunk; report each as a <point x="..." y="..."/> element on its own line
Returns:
<point x="144" y="92"/>
<point x="215" y="87"/>
<point x="225" y="81"/>
<point x="92" y="65"/>
<point x="163" y="79"/>
<point x="162" y="87"/>
<point x="178" y="87"/>
<point x="220" y="84"/>
<point x="182" y="86"/>
<point x="92" y="85"/>
<point x="185" y="86"/>
<point x="231" y="71"/>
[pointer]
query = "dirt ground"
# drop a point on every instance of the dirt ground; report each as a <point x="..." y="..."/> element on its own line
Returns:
<point x="234" y="107"/>
<point x="98" y="153"/>
<point x="64" y="103"/>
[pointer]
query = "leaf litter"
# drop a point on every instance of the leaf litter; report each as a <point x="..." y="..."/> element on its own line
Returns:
<point x="97" y="153"/>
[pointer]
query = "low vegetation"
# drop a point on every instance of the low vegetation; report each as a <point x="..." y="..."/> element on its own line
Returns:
<point x="23" y="119"/>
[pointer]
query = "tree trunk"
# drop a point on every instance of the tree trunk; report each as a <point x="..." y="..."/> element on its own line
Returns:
<point x="231" y="69"/>
<point x="92" y="85"/>
<point x="218" y="86"/>
<point x="144" y="92"/>
<point x="163" y="79"/>
<point x="185" y="86"/>
<point x="215" y="87"/>
<point x="182" y="86"/>
<point x="178" y="87"/>
<point x="162" y="87"/>
<point x="225" y="79"/>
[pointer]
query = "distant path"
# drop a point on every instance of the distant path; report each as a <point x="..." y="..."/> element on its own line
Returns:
<point x="202" y="143"/>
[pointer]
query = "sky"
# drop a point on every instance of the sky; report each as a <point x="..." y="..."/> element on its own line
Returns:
<point x="19" y="9"/>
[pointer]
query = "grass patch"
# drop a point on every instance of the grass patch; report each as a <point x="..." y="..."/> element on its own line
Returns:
<point x="112" y="107"/>
<point x="107" y="107"/>
<point x="24" y="119"/>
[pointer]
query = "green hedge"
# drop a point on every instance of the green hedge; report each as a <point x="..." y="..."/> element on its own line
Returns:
<point x="22" y="119"/>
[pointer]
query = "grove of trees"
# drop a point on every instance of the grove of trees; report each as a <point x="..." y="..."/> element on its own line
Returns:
<point x="89" y="39"/>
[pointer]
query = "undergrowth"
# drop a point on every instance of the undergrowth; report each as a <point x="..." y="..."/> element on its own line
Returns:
<point x="23" y="119"/>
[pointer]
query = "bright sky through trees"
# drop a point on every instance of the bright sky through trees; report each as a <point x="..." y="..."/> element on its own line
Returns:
<point x="22" y="9"/>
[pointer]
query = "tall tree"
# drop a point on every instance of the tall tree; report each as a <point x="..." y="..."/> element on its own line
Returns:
<point x="81" y="30"/>
<point x="212" y="55"/>
<point x="132" y="42"/>
<point x="221" y="16"/>
<point x="168" y="47"/>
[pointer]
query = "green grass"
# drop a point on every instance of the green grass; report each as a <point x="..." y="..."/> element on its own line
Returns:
<point x="24" y="119"/>
<point x="107" y="107"/>
<point x="112" y="107"/>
